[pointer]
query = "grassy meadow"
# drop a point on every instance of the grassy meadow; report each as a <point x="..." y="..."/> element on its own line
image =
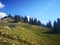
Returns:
<point x="26" y="34"/>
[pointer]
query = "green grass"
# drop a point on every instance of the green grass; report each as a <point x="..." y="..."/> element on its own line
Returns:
<point x="26" y="34"/>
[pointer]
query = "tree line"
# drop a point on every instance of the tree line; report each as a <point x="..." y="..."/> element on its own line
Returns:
<point x="18" y="18"/>
<point x="34" y="21"/>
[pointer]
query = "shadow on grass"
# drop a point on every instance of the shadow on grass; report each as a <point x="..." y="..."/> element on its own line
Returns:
<point x="52" y="32"/>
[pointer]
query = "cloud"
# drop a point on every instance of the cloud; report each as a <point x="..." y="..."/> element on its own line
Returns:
<point x="2" y="5"/>
<point x="2" y="14"/>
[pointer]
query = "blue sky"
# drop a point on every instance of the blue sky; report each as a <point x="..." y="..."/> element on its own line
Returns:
<point x="43" y="10"/>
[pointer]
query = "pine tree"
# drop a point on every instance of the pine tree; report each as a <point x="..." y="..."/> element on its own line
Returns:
<point x="16" y="18"/>
<point x="35" y="21"/>
<point x="25" y="19"/>
<point x="39" y="23"/>
<point x="31" y="21"/>
<point x="55" y="27"/>
<point x="49" y="25"/>
<point x="10" y="16"/>
<point x="58" y="25"/>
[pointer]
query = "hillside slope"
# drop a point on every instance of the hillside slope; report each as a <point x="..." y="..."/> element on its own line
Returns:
<point x="26" y="34"/>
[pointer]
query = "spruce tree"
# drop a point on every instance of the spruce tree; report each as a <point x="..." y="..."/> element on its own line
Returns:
<point x="49" y="25"/>
<point x="16" y="18"/>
